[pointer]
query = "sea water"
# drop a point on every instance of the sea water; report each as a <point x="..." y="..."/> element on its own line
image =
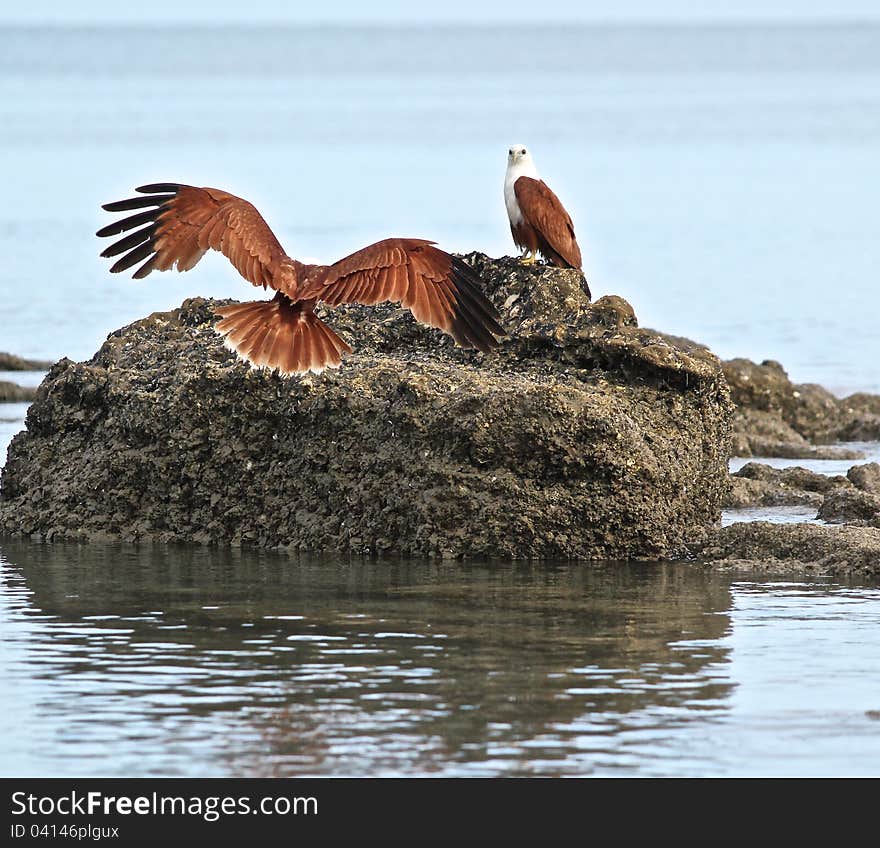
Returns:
<point x="722" y="179"/>
<point x="138" y="661"/>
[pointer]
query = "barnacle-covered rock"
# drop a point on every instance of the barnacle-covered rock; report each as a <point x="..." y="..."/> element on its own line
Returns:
<point x="582" y="436"/>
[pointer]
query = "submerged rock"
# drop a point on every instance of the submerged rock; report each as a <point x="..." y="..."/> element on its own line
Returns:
<point x="10" y="362"/>
<point x="865" y="477"/>
<point x="802" y="548"/>
<point x="12" y="392"/>
<point x="850" y="506"/>
<point x="583" y="436"/>
<point x="757" y="484"/>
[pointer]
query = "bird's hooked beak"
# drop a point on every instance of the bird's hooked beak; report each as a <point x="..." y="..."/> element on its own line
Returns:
<point x="516" y="154"/>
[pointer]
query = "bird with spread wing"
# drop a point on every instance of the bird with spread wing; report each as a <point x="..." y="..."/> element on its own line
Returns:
<point x="181" y="223"/>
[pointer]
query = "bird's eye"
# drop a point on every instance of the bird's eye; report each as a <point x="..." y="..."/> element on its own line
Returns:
<point x="510" y="152"/>
<point x="523" y="151"/>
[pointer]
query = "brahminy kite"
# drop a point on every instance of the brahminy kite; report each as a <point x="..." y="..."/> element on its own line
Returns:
<point x="538" y="221"/>
<point x="284" y="333"/>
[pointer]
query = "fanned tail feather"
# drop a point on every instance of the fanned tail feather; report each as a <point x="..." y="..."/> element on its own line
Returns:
<point x="281" y="335"/>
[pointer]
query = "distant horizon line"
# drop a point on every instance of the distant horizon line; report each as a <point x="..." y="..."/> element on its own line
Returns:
<point x="635" y="23"/>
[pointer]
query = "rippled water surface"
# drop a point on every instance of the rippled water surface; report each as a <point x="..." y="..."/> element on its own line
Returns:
<point x="181" y="661"/>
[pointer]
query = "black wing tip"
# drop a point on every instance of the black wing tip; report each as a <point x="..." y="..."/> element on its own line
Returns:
<point x="129" y="223"/>
<point x="136" y="202"/>
<point x="159" y="188"/>
<point x="133" y="239"/>
<point x="468" y="334"/>
<point x="487" y="328"/>
<point x="145" y="269"/>
<point x="472" y="327"/>
<point x="141" y="243"/>
<point x="487" y="317"/>
<point x="472" y="302"/>
<point x="139" y="253"/>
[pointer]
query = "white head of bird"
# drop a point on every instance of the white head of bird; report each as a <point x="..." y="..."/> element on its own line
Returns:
<point x="519" y="164"/>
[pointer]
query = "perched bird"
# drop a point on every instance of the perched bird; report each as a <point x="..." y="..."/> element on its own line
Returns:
<point x="538" y="221"/>
<point x="182" y="222"/>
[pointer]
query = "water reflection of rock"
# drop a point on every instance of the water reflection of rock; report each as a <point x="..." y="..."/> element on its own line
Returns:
<point x="393" y="667"/>
<point x="562" y="664"/>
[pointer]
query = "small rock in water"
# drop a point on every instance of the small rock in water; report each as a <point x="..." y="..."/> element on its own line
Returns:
<point x="10" y="362"/>
<point x="13" y="393"/>
<point x="865" y="477"/>
<point x="850" y="505"/>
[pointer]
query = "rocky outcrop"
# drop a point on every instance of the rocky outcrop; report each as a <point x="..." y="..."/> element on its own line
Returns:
<point x="808" y="409"/>
<point x="583" y="436"/>
<point x="758" y="433"/>
<point x="778" y="418"/>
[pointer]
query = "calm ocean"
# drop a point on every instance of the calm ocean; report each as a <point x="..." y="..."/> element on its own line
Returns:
<point x="724" y="180"/>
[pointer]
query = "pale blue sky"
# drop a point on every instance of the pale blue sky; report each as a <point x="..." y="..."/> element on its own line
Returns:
<point x="388" y="11"/>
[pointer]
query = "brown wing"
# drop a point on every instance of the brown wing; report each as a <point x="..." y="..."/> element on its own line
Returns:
<point x="542" y="209"/>
<point x="183" y="222"/>
<point x="439" y="289"/>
